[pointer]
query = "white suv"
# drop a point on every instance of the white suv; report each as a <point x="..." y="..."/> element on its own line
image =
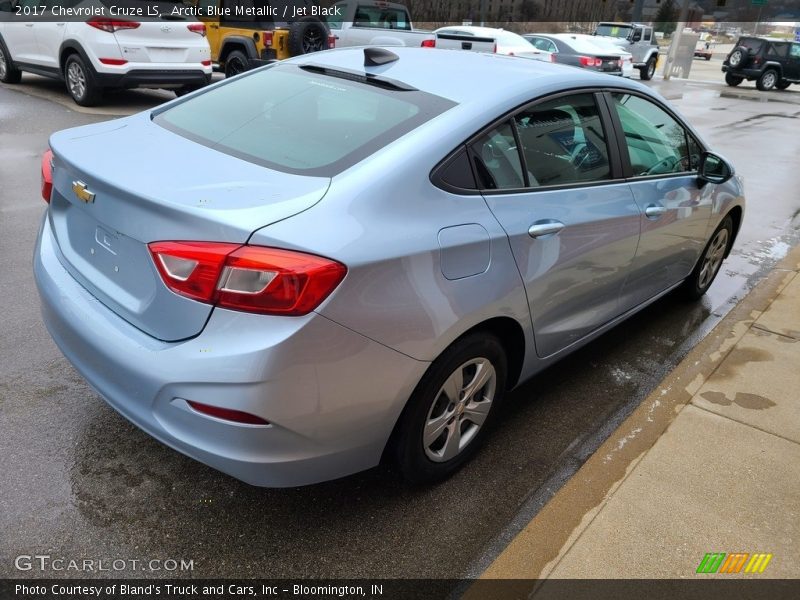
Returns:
<point x="101" y="52"/>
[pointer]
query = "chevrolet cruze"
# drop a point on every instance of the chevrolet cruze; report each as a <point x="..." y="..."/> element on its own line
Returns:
<point x="353" y="255"/>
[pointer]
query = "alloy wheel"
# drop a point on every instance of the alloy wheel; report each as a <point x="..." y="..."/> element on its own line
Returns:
<point x="459" y="409"/>
<point x="76" y="79"/>
<point x="3" y="65"/>
<point x="713" y="258"/>
<point x="769" y="80"/>
<point x="651" y="69"/>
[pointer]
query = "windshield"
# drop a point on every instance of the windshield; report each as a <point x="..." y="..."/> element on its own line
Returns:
<point x="611" y="30"/>
<point x="309" y="123"/>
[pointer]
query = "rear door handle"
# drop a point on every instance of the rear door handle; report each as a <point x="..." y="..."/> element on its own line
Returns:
<point x="654" y="211"/>
<point x="545" y="227"/>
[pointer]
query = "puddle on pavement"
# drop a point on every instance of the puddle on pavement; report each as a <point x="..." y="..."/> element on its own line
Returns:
<point x="742" y="399"/>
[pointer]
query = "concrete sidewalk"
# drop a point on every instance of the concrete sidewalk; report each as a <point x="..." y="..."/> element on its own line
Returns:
<point x="709" y="462"/>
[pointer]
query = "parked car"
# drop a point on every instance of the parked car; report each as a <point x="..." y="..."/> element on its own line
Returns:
<point x="490" y="40"/>
<point x="571" y="49"/>
<point x="375" y="23"/>
<point x="703" y="50"/>
<point x="610" y="46"/>
<point x="772" y="63"/>
<point x="251" y="40"/>
<point x="103" y="52"/>
<point x="638" y="39"/>
<point x="362" y="265"/>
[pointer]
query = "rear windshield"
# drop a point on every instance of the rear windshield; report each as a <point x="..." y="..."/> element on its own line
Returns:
<point x="297" y="121"/>
<point x="752" y="44"/>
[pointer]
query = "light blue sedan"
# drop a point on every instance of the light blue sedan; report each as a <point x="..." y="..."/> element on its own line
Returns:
<point x="353" y="255"/>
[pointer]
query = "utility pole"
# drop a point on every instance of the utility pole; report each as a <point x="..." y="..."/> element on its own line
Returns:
<point x="483" y="12"/>
<point x="676" y="40"/>
<point x="636" y="15"/>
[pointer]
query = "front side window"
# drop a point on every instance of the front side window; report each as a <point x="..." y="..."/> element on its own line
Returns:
<point x="656" y="143"/>
<point x="794" y="52"/>
<point x="542" y="44"/>
<point x="563" y="142"/>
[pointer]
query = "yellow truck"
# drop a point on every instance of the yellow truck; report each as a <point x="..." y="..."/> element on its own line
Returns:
<point x="244" y="34"/>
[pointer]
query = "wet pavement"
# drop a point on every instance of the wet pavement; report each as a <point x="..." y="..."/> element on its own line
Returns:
<point x="79" y="482"/>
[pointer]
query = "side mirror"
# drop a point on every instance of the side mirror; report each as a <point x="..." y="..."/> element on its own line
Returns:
<point x="714" y="168"/>
<point x="637" y="37"/>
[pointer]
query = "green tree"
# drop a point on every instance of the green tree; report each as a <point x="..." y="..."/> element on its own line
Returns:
<point x="666" y="17"/>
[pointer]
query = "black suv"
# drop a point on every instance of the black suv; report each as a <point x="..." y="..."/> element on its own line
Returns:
<point x="770" y="62"/>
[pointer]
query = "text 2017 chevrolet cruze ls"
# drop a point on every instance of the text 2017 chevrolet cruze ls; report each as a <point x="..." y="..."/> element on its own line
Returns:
<point x="356" y="253"/>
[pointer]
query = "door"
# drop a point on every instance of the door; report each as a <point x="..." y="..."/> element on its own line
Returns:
<point x="572" y="222"/>
<point x="792" y="70"/>
<point x="50" y="34"/>
<point x="660" y="156"/>
<point x="19" y="35"/>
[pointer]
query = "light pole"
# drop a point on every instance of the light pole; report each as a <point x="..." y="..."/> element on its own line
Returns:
<point x="676" y="40"/>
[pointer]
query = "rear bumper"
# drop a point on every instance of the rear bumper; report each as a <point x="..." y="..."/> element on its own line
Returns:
<point x="748" y="74"/>
<point x="331" y="395"/>
<point x="154" y="77"/>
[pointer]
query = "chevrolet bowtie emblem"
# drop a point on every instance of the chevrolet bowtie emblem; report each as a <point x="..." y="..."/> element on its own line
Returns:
<point x="82" y="192"/>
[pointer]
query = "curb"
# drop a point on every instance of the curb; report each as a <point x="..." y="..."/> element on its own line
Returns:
<point x="533" y="552"/>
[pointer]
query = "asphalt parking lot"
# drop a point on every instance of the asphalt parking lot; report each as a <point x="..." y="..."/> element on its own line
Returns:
<point x="80" y="482"/>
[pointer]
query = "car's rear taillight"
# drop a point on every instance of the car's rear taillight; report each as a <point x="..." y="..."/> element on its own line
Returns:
<point x="47" y="175"/>
<point x="205" y="63"/>
<point x="494" y="48"/>
<point x="590" y="61"/>
<point x="428" y="44"/>
<point x="114" y="61"/>
<point x="198" y="28"/>
<point x="248" y="278"/>
<point x="227" y="414"/>
<point x="111" y="25"/>
<point x="267" y="37"/>
<point x="552" y="57"/>
<point x="331" y="41"/>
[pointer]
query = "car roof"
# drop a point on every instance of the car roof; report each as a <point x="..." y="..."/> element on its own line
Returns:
<point x="466" y="77"/>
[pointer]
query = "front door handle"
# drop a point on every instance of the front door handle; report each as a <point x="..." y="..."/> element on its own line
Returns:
<point x="654" y="211"/>
<point x="544" y="228"/>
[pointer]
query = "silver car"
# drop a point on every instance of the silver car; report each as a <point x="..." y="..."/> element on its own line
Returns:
<point x="353" y="255"/>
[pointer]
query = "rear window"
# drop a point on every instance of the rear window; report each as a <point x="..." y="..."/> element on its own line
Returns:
<point x="752" y="44"/>
<point x="297" y="121"/>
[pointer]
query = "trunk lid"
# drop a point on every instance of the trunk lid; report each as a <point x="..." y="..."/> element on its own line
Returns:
<point x="150" y="184"/>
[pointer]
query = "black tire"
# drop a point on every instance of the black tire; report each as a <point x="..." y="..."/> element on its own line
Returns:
<point x="767" y="80"/>
<point x="783" y="84"/>
<point x="739" y="57"/>
<point x="733" y="80"/>
<point x="307" y="35"/>
<point x="713" y="254"/>
<point x="235" y="63"/>
<point x="430" y="404"/>
<point x="9" y="73"/>
<point x="649" y="69"/>
<point x="80" y="81"/>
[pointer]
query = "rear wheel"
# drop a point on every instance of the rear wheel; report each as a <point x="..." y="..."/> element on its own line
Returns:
<point x="733" y="80"/>
<point x="446" y="418"/>
<point x="783" y="84"/>
<point x="649" y="69"/>
<point x="710" y="262"/>
<point x="235" y="63"/>
<point x="80" y="83"/>
<point x="767" y="80"/>
<point x="8" y="72"/>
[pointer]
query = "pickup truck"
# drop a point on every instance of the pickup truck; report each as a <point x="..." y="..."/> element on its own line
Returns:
<point x="637" y="39"/>
<point x="374" y="22"/>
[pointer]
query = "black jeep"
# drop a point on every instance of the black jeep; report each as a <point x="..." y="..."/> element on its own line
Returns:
<point x="772" y="63"/>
